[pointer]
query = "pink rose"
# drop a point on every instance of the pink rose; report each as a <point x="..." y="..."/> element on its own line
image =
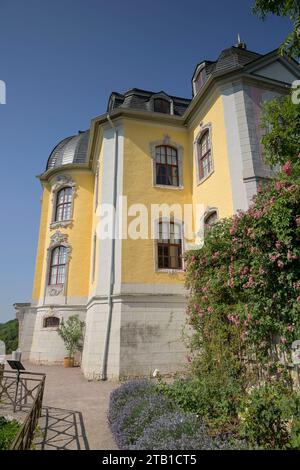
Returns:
<point x="287" y="168"/>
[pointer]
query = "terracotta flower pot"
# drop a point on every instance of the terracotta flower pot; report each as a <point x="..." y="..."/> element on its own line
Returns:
<point x="69" y="362"/>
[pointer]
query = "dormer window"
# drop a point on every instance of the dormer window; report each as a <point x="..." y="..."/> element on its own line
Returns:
<point x="199" y="80"/>
<point x="162" y="106"/>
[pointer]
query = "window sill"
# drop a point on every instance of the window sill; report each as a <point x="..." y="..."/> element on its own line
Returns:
<point x="167" y="186"/>
<point x="49" y="328"/>
<point x="61" y="223"/>
<point x="169" y="271"/>
<point x="199" y="182"/>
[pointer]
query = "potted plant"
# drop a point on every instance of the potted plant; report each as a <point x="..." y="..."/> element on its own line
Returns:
<point x="71" y="333"/>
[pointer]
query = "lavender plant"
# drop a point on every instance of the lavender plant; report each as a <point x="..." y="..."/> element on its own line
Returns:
<point x="137" y="415"/>
<point x="120" y="396"/>
<point x="182" y="431"/>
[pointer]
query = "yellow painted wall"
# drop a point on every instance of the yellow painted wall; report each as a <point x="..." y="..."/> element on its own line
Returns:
<point x="79" y="236"/>
<point x="215" y="191"/>
<point x="138" y="256"/>
<point x="41" y="248"/>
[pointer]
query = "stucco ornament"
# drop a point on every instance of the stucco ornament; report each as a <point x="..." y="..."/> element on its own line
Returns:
<point x="61" y="181"/>
<point x="53" y="291"/>
<point x="58" y="238"/>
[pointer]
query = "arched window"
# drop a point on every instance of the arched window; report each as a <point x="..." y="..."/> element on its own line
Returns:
<point x="57" y="271"/>
<point x="204" y="155"/>
<point x="166" y="159"/>
<point x="51" y="322"/>
<point x="210" y="219"/>
<point x="169" y="246"/>
<point x="63" y="204"/>
<point x="162" y="106"/>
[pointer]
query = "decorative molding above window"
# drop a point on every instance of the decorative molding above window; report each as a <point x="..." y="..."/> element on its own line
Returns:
<point x="59" y="238"/>
<point x="204" y="153"/>
<point x="61" y="181"/>
<point x="166" y="142"/>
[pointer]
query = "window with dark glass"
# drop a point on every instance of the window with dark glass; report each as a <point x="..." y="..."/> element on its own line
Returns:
<point x="57" y="272"/>
<point x="63" y="204"/>
<point x="166" y="165"/>
<point x="51" y="322"/>
<point x="210" y="219"/>
<point x="161" y="106"/>
<point x="169" y="246"/>
<point x="204" y="156"/>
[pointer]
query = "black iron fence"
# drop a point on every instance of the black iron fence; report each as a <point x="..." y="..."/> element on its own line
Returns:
<point x="21" y="395"/>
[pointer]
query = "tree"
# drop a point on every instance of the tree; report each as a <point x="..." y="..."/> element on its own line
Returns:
<point x="281" y="120"/>
<point x="72" y="334"/>
<point x="290" y="8"/>
<point x="9" y="332"/>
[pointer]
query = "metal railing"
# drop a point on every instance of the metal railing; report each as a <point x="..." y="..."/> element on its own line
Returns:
<point x="22" y="396"/>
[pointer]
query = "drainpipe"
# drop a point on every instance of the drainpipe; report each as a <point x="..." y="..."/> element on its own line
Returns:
<point x="112" y="257"/>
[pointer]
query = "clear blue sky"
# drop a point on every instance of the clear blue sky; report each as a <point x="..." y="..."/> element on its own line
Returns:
<point x="61" y="59"/>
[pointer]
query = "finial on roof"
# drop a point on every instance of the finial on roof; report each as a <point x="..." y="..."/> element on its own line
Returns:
<point x="240" y="44"/>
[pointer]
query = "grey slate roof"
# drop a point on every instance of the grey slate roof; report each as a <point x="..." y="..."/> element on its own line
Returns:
<point x="232" y="58"/>
<point x="136" y="98"/>
<point x="70" y="150"/>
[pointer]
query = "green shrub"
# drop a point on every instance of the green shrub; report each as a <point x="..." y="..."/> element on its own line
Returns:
<point x="270" y="417"/>
<point x="215" y="397"/>
<point x="8" y="432"/>
<point x="9" y="332"/>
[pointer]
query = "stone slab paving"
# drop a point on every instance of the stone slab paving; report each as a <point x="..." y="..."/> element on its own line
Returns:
<point x="74" y="410"/>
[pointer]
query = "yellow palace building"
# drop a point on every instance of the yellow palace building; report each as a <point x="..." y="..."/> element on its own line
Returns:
<point x="147" y="149"/>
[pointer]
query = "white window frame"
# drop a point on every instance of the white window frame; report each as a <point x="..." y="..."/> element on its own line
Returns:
<point x="167" y="141"/>
<point x="203" y="130"/>
<point x="180" y="224"/>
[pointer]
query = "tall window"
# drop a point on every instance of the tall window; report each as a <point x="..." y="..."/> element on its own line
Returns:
<point x="57" y="272"/>
<point x="169" y="246"/>
<point x="166" y="165"/>
<point x="63" y="204"/>
<point x="204" y="156"/>
<point x="161" y="106"/>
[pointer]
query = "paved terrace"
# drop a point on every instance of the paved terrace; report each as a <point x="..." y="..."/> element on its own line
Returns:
<point x="74" y="411"/>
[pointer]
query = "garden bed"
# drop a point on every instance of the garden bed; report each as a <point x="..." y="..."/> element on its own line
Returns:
<point x="142" y="416"/>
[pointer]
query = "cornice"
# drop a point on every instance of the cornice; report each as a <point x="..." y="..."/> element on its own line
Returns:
<point x="62" y="169"/>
